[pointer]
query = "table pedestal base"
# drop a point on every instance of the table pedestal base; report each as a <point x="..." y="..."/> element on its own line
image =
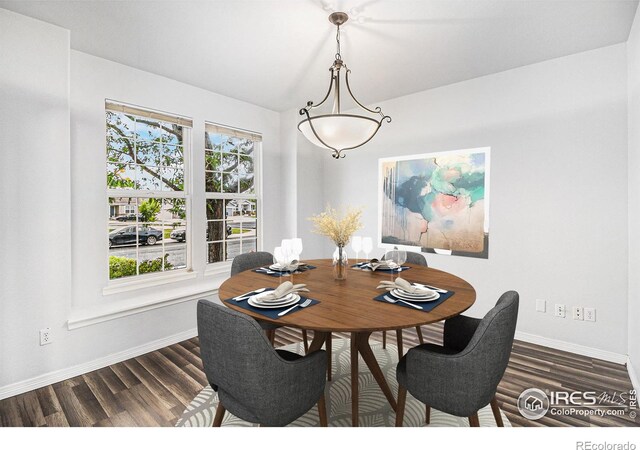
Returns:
<point x="359" y="346"/>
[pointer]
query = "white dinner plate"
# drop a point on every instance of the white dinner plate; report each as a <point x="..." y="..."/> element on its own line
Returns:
<point x="278" y="268"/>
<point x="262" y="298"/>
<point x="420" y="292"/>
<point x="403" y="295"/>
<point x="271" y="305"/>
<point x="382" y="266"/>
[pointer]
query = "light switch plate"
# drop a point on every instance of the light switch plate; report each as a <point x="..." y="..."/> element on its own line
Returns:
<point x="541" y="305"/>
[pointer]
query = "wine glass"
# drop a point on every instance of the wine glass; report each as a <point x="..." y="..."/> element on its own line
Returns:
<point x="402" y="256"/>
<point x="287" y="250"/>
<point x="279" y="257"/>
<point x="398" y="257"/>
<point x="287" y="246"/>
<point x="356" y="245"/>
<point x="367" y="246"/>
<point x="296" y="245"/>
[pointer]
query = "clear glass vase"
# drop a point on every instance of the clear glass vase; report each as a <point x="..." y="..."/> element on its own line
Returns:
<point x="340" y="263"/>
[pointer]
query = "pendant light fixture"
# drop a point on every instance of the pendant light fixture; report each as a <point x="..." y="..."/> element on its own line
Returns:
<point x="337" y="131"/>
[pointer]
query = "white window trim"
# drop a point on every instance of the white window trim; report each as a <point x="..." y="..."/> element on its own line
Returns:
<point x="217" y="269"/>
<point x="220" y="266"/>
<point x="84" y="317"/>
<point x="147" y="280"/>
<point x="135" y="282"/>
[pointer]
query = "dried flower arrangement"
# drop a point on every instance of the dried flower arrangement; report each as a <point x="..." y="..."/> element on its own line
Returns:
<point x="338" y="229"/>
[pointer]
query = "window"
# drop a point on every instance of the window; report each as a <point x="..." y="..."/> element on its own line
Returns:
<point x="231" y="159"/>
<point x="148" y="201"/>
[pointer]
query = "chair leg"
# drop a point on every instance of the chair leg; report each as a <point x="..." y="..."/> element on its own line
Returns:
<point x="496" y="412"/>
<point x="474" y="421"/>
<point x="384" y="339"/>
<point x="305" y="341"/>
<point x="217" y="420"/>
<point x="328" y="347"/>
<point x="402" y="397"/>
<point x="427" y="416"/>
<point x="322" y="411"/>
<point x="400" y="343"/>
<point x="420" y="338"/>
<point x="271" y="335"/>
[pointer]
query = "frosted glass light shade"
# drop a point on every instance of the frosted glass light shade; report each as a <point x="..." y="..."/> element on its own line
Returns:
<point x="339" y="131"/>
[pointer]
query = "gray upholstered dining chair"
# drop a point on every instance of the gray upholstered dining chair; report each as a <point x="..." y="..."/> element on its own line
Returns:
<point x="248" y="261"/>
<point x="254" y="381"/>
<point x="462" y="376"/>
<point x="419" y="260"/>
<point x="251" y="260"/>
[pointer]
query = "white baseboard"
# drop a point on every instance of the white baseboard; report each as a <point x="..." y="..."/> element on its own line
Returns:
<point x="70" y="372"/>
<point x="635" y="381"/>
<point x="572" y="348"/>
<point x="64" y="374"/>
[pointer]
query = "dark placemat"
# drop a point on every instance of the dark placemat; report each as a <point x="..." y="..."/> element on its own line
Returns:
<point x="285" y="274"/>
<point x="369" y="269"/>
<point x="426" y="306"/>
<point x="270" y="313"/>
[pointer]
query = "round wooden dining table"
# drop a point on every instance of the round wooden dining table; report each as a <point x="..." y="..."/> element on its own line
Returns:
<point x="348" y="306"/>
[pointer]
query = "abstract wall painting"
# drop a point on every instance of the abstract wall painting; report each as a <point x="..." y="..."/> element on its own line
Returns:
<point x="438" y="202"/>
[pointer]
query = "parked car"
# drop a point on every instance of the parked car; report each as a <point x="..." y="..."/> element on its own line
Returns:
<point x="180" y="234"/>
<point x="128" y="236"/>
<point x="129" y="218"/>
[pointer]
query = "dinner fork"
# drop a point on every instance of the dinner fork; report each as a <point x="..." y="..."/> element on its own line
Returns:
<point x="306" y="303"/>
<point x="394" y="300"/>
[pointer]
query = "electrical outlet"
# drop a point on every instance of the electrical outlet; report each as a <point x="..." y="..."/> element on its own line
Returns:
<point x="45" y="336"/>
<point x="541" y="305"/>
<point x="560" y="310"/>
<point x="590" y="314"/>
<point x="578" y="314"/>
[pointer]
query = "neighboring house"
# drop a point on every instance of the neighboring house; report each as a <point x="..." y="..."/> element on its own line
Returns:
<point x="121" y="207"/>
<point x="241" y="207"/>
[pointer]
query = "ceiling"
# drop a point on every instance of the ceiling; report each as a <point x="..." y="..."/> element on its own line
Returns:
<point x="276" y="53"/>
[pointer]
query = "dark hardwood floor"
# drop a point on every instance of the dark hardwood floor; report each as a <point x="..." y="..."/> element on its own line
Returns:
<point x="153" y="389"/>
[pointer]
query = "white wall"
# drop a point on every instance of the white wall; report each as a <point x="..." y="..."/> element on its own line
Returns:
<point x="289" y="160"/>
<point x="303" y="186"/>
<point x="311" y="200"/>
<point x="54" y="263"/>
<point x="35" y="242"/>
<point x="633" y="54"/>
<point x="558" y="137"/>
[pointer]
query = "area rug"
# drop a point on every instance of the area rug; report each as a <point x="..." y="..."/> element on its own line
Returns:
<point x="375" y="411"/>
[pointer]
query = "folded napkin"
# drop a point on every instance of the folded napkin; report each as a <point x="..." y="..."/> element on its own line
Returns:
<point x="292" y="266"/>
<point x="384" y="264"/>
<point x="401" y="283"/>
<point x="283" y="290"/>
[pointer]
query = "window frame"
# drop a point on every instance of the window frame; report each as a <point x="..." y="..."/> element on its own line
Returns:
<point x="216" y="267"/>
<point x="161" y="277"/>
